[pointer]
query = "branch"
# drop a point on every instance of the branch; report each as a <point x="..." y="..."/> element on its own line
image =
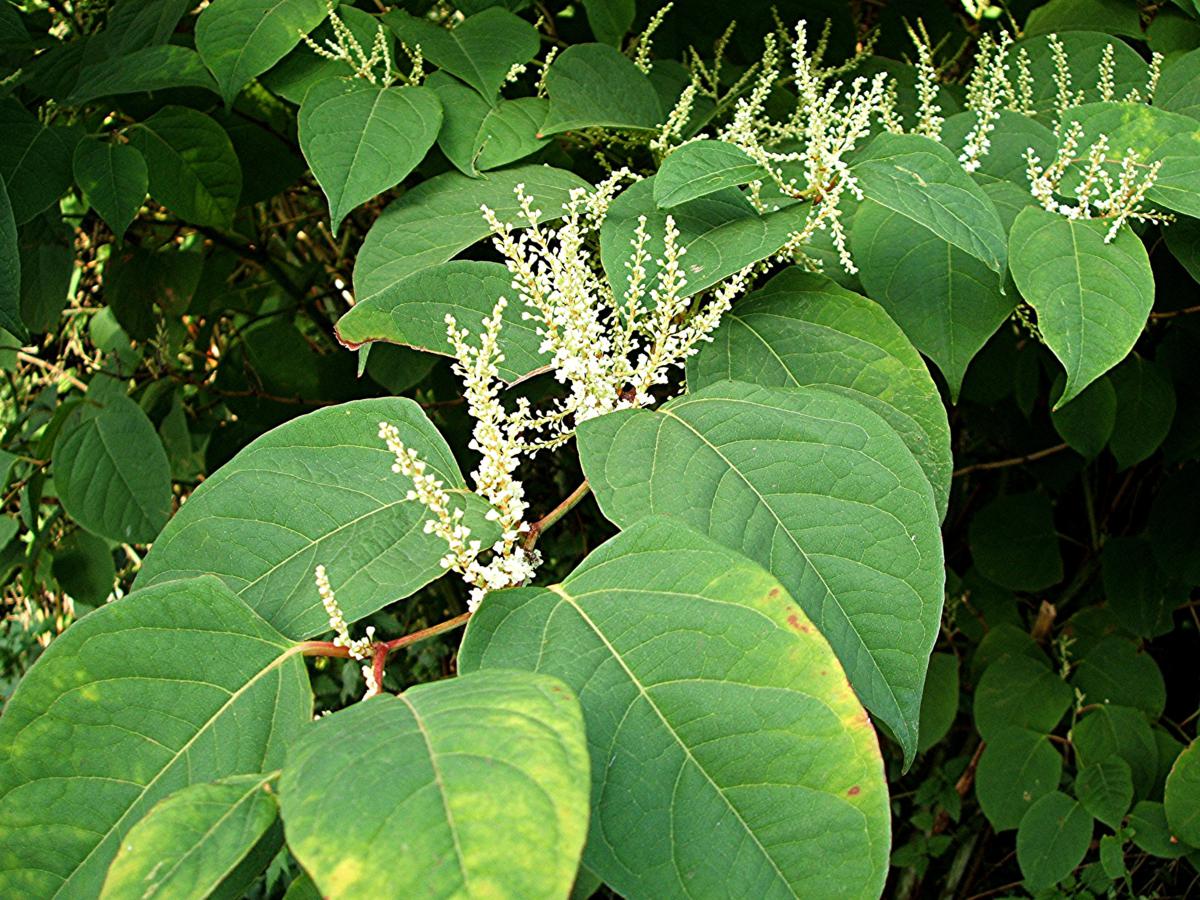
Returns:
<point x="1005" y="463"/>
<point x="555" y="514"/>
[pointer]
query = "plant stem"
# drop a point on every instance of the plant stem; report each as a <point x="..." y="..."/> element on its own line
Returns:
<point x="1014" y="461"/>
<point x="425" y="633"/>
<point x="555" y="514"/>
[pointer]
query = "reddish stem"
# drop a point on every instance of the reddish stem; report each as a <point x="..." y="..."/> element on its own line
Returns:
<point x="381" y="653"/>
<point x="425" y="633"/>
<point x="323" y="648"/>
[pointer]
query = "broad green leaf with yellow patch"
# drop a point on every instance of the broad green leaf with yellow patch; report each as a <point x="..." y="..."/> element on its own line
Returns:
<point x="204" y="840"/>
<point x="475" y="786"/>
<point x="811" y="484"/>
<point x="727" y="747"/>
<point x="126" y="707"/>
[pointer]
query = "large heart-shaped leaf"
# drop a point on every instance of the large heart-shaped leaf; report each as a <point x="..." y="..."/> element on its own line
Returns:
<point x="126" y="707"/>
<point x="193" y="167"/>
<point x="361" y="139"/>
<point x="114" y="179"/>
<point x="470" y="787"/>
<point x="816" y="487"/>
<point x="721" y="234"/>
<point x="481" y="50"/>
<point x="1092" y="298"/>
<point x="727" y="747"/>
<point x="440" y="217"/>
<point x="204" y="840"/>
<point x="318" y="490"/>
<point x="239" y="39"/>
<point x="802" y="329"/>
<point x="922" y="181"/>
<point x="414" y="313"/>
<point x="111" y="471"/>
<point x="596" y="86"/>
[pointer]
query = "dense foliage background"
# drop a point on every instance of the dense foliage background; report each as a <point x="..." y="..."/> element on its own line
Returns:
<point x="174" y="262"/>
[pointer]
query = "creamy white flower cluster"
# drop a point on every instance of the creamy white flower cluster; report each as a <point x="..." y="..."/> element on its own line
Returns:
<point x="1098" y="192"/>
<point x="358" y="648"/>
<point x="609" y="351"/>
<point x="829" y="121"/>
<point x="345" y="47"/>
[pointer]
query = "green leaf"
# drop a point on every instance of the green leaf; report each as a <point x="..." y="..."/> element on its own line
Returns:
<point x="1109" y="16"/>
<point x="414" y="311"/>
<point x="35" y="160"/>
<point x="126" y="707"/>
<point x="939" y="704"/>
<point x="293" y="75"/>
<point x="1175" y="527"/>
<point x="802" y="329"/>
<point x="479" y="50"/>
<point x="317" y="490"/>
<point x="193" y="168"/>
<point x="727" y="747"/>
<point x="1014" y="542"/>
<point x="1019" y="692"/>
<point x="111" y="472"/>
<point x="1148" y="822"/>
<point x="812" y="485"/>
<point x="1017" y="767"/>
<point x="721" y="234"/>
<point x="701" y="168"/>
<point x="141" y="70"/>
<point x="1092" y="298"/>
<point x="595" y="86"/>
<point x="239" y="39"/>
<point x="610" y="20"/>
<point x="1168" y="138"/>
<point x="1108" y="731"/>
<point x="1105" y="788"/>
<point x="1134" y="586"/>
<point x="47" y="246"/>
<point x="114" y="179"/>
<point x="10" y="270"/>
<point x="1145" y="409"/>
<point x="1179" y="87"/>
<point x="361" y="139"/>
<point x="1012" y="135"/>
<point x="1114" y="672"/>
<point x="1086" y="423"/>
<point x="472" y="786"/>
<point x="195" y="842"/>
<point x="510" y="131"/>
<point x="947" y="302"/>
<point x="1181" y="798"/>
<point x="1052" y="840"/>
<point x="438" y="218"/>
<point x="923" y="181"/>
<point x="83" y="567"/>
<point x="1084" y="51"/>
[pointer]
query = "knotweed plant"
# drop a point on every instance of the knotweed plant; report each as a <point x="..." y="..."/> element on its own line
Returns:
<point x="610" y="351"/>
